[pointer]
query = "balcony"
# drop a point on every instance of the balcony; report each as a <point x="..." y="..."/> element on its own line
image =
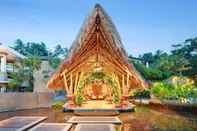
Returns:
<point x="3" y="78"/>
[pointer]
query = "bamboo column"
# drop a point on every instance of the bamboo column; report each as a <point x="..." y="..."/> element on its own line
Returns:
<point x="71" y="84"/>
<point x="76" y="82"/>
<point x="123" y="81"/>
<point x="66" y="85"/>
<point x="127" y="80"/>
<point x="123" y="86"/>
<point x="127" y="85"/>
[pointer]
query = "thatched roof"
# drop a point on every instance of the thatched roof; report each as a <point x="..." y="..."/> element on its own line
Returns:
<point x="97" y="19"/>
<point x="108" y="24"/>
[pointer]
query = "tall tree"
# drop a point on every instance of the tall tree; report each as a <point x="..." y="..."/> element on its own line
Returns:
<point x="59" y="51"/>
<point x="148" y="57"/>
<point x="188" y="51"/>
<point x="57" y="55"/>
<point x="30" y="48"/>
<point x="36" y="49"/>
<point x="25" y="74"/>
<point x="19" y="46"/>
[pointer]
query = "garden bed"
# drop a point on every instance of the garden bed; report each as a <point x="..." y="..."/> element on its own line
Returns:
<point x="167" y="104"/>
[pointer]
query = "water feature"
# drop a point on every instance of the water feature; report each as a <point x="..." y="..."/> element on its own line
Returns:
<point x="143" y="119"/>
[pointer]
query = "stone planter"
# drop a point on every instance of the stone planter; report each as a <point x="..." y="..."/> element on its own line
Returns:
<point x="124" y="97"/>
<point x="117" y="105"/>
<point x="71" y="98"/>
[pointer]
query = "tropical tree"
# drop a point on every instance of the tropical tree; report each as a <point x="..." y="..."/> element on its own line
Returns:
<point x="174" y="64"/>
<point x="33" y="49"/>
<point x="19" y="46"/>
<point x="25" y="74"/>
<point x="148" y="57"/>
<point x="188" y="50"/>
<point x="34" y="52"/>
<point x="181" y="61"/>
<point x="32" y="63"/>
<point x="59" y="51"/>
<point x="55" y="57"/>
<point x="30" y="48"/>
<point x="151" y="73"/>
<point x="36" y="49"/>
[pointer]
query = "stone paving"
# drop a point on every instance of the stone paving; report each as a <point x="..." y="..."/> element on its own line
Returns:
<point x="143" y="119"/>
<point x="20" y="123"/>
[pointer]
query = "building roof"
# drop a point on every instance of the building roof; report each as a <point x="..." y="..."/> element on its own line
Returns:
<point x="98" y="35"/>
<point x="11" y="54"/>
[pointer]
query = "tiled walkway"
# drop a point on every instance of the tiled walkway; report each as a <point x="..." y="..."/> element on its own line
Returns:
<point x="92" y="119"/>
<point x="52" y="127"/>
<point x="20" y="123"/>
<point x="95" y="127"/>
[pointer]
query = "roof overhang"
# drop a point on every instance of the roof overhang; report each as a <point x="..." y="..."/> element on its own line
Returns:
<point x="11" y="54"/>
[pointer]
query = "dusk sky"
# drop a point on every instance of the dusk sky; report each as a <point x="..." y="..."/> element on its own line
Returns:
<point x="144" y="25"/>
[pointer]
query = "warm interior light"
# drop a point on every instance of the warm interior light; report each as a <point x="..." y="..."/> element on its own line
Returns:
<point x="97" y="67"/>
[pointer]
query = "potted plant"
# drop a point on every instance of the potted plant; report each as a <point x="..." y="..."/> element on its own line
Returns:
<point x="79" y="100"/>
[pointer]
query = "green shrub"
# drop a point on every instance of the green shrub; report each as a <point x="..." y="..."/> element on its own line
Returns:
<point x="58" y="105"/>
<point x="175" y="88"/>
<point x="142" y="94"/>
<point x="79" y="99"/>
<point x="151" y="73"/>
<point x="79" y="94"/>
<point x="163" y="91"/>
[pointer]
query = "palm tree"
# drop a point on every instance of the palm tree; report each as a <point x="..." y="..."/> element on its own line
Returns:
<point x="24" y="76"/>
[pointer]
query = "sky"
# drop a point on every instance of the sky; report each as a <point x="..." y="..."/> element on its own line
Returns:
<point x="144" y="25"/>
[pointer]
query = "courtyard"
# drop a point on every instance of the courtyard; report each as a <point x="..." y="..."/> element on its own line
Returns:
<point x="95" y="85"/>
<point x="143" y="119"/>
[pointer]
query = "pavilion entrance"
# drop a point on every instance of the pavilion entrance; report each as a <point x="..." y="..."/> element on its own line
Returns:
<point x="98" y="90"/>
<point x="97" y="94"/>
<point x="97" y="86"/>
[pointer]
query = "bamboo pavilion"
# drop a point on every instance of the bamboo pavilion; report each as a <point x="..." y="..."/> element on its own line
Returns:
<point x="97" y="67"/>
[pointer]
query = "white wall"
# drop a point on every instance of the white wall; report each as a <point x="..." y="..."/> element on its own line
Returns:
<point x="17" y="101"/>
<point x="40" y="82"/>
